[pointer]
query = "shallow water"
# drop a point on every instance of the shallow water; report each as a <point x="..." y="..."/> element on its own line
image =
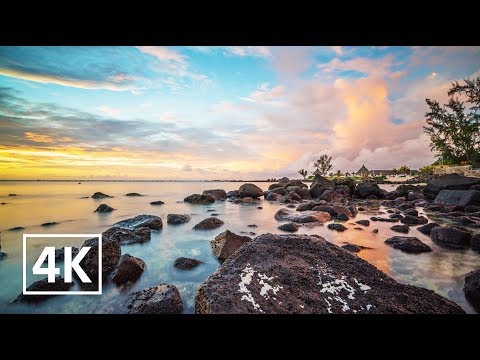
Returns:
<point x="442" y="270"/>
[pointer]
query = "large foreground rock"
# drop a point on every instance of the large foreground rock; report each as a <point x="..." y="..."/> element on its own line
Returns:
<point x="408" y="244"/>
<point x="461" y="198"/>
<point x="151" y="221"/>
<point x="472" y="288"/>
<point x="127" y="236"/>
<point x="475" y="242"/>
<point x="217" y="194"/>
<point x="449" y="182"/>
<point x="160" y="299"/>
<point x="450" y="236"/>
<point x="111" y="252"/>
<point x="366" y="189"/>
<point x="306" y="274"/>
<point x="250" y="190"/>
<point x="128" y="270"/>
<point x="226" y="243"/>
<point x="44" y="285"/>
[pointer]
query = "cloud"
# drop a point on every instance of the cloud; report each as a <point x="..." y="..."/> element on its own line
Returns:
<point x="366" y="66"/>
<point x="256" y="51"/>
<point x="162" y="53"/>
<point x="186" y="168"/>
<point x="337" y="50"/>
<point x="266" y="95"/>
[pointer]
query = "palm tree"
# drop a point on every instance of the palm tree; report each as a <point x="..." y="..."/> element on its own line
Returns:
<point x="303" y="172"/>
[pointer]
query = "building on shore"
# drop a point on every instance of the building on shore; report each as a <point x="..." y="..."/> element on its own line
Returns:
<point x="363" y="171"/>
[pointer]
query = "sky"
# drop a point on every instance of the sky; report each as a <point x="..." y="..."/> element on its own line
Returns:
<point x="230" y="112"/>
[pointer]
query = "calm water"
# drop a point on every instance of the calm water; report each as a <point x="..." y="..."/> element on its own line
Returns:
<point x="442" y="270"/>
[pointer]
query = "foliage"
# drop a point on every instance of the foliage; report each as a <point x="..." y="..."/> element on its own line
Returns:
<point x="303" y="172"/>
<point x="426" y="170"/>
<point x="454" y="128"/>
<point x="394" y="171"/>
<point x="404" y="170"/>
<point x="324" y="164"/>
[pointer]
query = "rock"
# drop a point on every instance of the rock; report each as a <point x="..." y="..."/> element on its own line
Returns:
<point x="405" y="206"/>
<point x="110" y="255"/>
<point x="126" y="236"/>
<point x="2" y="255"/>
<point x="60" y="253"/>
<point x="199" y="199"/>
<point x="250" y="190"/>
<point x="375" y="231"/>
<point x="100" y="195"/>
<point x="319" y="185"/>
<point x="252" y="225"/>
<point x="51" y="223"/>
<point x="330" y="196"/>
<point x="274" y="186"/>
<point x="401" y="228"/>
<point x="3" y="203"/>
<point x="408" y="244"/>
<point x="279" y="190"/>
<point x="128" y="270"/>
<point x="305" y="194"/>
<point x="412" y="212"/>
<point x="309" y="205"/>
<point x="460" y="198"/>
<point x="414" y="220"/>
<point x="284" y="180"/>
<point x="104" y="208"/>
<point x="325" y="208"/>
<point x="363" y="222"/>
<point x="248" y="199"/>
<point x="16" y="228"/>
<point x="450" y="236"/>
<point x="160" y="299"/>
<point x="337" y="227"/>
<point x="214" y="214"/>
<point x="306" y="274"/>
<point x="304" y="217"/>
<point x="366" y="189"/>
<point x="358" y="228"/>
<point x="44" y="285"/>
<point x="395" y="216"/>
<point x="184" y="263"/>
<point x="233" y="193"/>
<point x="208" y="224"/>
<point x="176" y="219"/>
<point x="342" y="217"/>
<point x="343" y="190"/>
<point x="426" y="229"/>
<point x="354" y="248"/>
<point x="472" y="288"/>
<point x="475" y="187"/>
<point x="291" y="206"/>
<point x="226" y="243"/>
<point x="412" y="196"/>
<point x="374" y="218"/>
<point x="288" y="227"/>
<point x="472" y="209"/>
<point x="237" y="201"/>
<point x="273" y="197"/>
<point x="133" y="194"/>
<point x="475" y="242"/>
<point x="449" y="182"/>
<point x="353" y="210"/>
<point x="434" y="207"/>
<point x="151" y="221"/>
<point x="217" y="194"/>
<point x="12" y="195"/>
<point x="259" y="207"/>
<point x="342" y="210"/>
<point x="158" y="202"/>
<point x="346" y="181"/>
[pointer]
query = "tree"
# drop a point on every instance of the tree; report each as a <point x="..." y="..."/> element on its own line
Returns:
<point x="303" y="172"/>
<point x="454" y="128"/>
<point x="426" y="170"/>
<point x="339" y="173"/>
<point x="404" y="170"/>
<point x="394" y="171"/>
<point x="324" y="164"/>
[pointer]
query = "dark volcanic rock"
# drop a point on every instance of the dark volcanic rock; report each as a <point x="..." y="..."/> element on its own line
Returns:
<point x="309" y="205"/>
<point x="460" y="198"/>
<point x="110" y="255"/>
<point x="233" y="193"/>
<point x="217" y="194"/>
<point x="2" y="255"/>
<point x="412" y="212"/>
<point x="199" y="199"/>
<point x="126" y="236"/>
<point x="279" y="190"/>
<point x="305" y="274"/>
<point x="133" y="194"/>
<point x="395" y="216"/>
<point x="104" y="208"/>
<point x="288" y="227"/>
<point x="374" y="218"/>
<point x="354" y="248"/>
<point x="100" y="195"/>
<point x="472" y="209"/>
<point x="401" y="228"/>
<point x="250" y="190"/>
<point x="449" y="182"/>
<point x="337" y="227"/>
<point x="158" y="202"/>
<point x="51" y="223"/>
<point x="325" y="208"/>
<point x="304" y="216"/>
<point x="426" y="229"/>
<point x="176" y="219"/>
<point x="475" y="187"/>
<point x="408" y="244"/>
<point x="12" y="195"/>
<point x="226" y="243"/>
<point x="433" y="207"/>
<point x="160" y="299"/>
<point x="273" y="197"/>
<point x="375" y="231"/>
<point x="128" y="270"/>
<point x="475" y="242"/>
<point x="17" y="228"/>
<point x="414" y="220"/>
<point x="363" y="222"/>
<point x="342" y="217"/>
<point x="472" y="288"/>
<point x="208" y="224"/>
<point x="365" y="189"/>
<point x="44" y="285"/>
<point x="450" y="236"/>
<point x="184" y="263"/>
<point x="60" y="253"/>
<point x="151" y="221"/>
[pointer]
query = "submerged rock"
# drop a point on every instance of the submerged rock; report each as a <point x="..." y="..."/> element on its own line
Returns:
<point x="208" y="224"/>
<point x="363" y="222"/>
<point x="126" y="236"/>
<point x="16" y="228"/>
<point x="226" y="243"/>
<point x="408" y="244"/>
<point x="342" y="217"/>
<point x="337" y="227"/>
<point x="233" y="193"/>
<point x="44" y="285"/>
<point x="217" y="194"/>
<point x="104" y="208"/>
<point x="128" y="270"/>
<point x="414" y="220"/>
<point x="158" y="202"/>
<point x="199" y="199"/>
<point x="472" y="289"/>
<point x="100" y="195"/>
<point x="50" y="223"/>
<point x="250" y="190"/>
<point x="151" y="221"/>
<point x="289" y="227"/>
<point x="354" y="248"/>
<point x="374" y="218"/>
<point x="304" y="216"/>
<point x="306" y="274"/>
<point x="184" y="263"/>
<point x="401" y="228"/>
<point x="133" y="194"/>
<point x="176" y="219"/>
<point x="160" y="299"/>
<point x="450" y="236"/>
<point x="427" y="228"/>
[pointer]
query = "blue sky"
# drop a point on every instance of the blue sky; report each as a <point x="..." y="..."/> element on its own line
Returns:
<point x="217" y="112"/>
